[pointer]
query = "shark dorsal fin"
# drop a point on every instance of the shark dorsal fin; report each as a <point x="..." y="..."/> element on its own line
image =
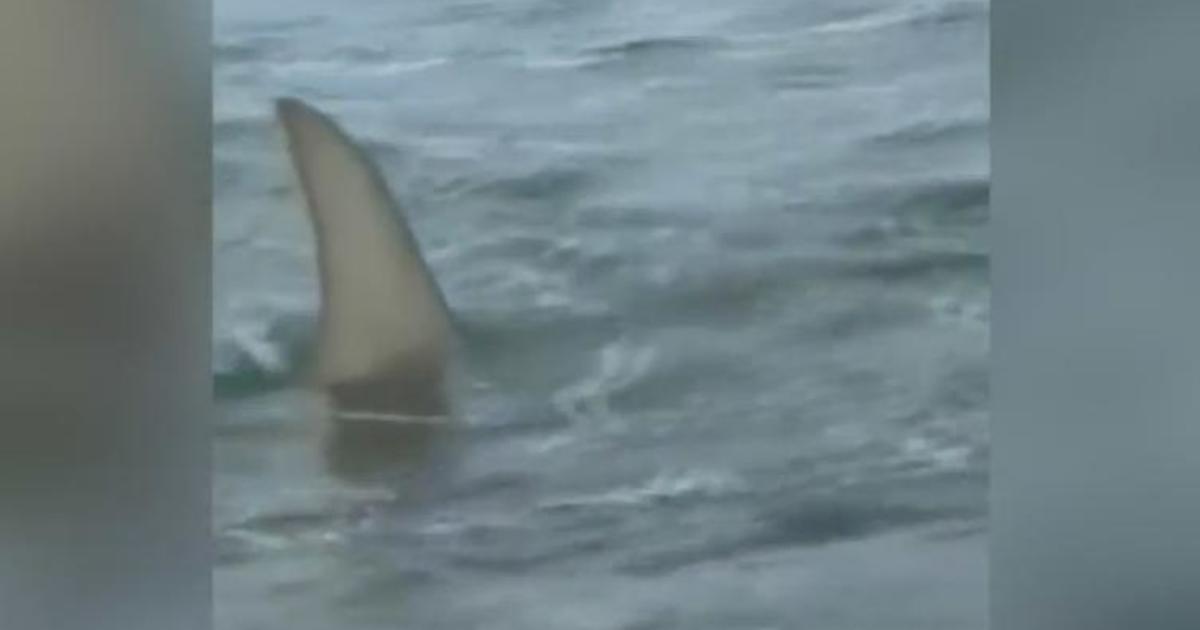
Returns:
<point x="384" y="332"/>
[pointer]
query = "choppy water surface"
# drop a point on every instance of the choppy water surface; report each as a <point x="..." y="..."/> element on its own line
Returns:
<point x="723" y="271"/>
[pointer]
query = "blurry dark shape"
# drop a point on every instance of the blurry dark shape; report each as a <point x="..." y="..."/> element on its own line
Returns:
<point x="104" y="275"/>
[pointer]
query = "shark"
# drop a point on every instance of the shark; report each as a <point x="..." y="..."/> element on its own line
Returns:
<point x="384" y="334"/>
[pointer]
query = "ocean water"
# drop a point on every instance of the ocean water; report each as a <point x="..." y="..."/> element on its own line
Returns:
<point x="723" y="271"/>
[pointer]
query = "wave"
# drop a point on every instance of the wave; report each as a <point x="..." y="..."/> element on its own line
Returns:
<point x="914" y="266"/>
<point x="951" y="193"/>
<point x="273" y="25"/>
<point x="651" y="45"/>
<point x="646" y="49"/>
<point x="930" y="131"/>
<point x="806" y="523"/>
<point x="917" y="15"/>
<point x="809" y="77"/>
<point x="341" y="67"/>
<point x="938" y="207"/>
<point x="362" y="53"/>
<point x="548" y="185"/>
<point x="237" y="53"/>
<point x="663" y="488"/>
<point x="258" y="356"/>
<point x="233" y="128"/>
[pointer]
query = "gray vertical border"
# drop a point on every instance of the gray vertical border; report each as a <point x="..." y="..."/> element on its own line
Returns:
<point x="1096" y="356"/>
<point x="105" y="309"/>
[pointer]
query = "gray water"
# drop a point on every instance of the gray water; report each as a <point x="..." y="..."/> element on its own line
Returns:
<point x="723" y="272"/>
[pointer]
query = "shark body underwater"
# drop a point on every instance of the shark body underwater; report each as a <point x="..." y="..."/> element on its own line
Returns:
<point x="382" y="351"/>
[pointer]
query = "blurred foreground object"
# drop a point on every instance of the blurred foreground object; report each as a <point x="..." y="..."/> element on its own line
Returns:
<point x="104" y="274"/>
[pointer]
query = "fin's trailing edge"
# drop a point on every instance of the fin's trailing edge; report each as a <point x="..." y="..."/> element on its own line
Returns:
<point x="385" y="332"/>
